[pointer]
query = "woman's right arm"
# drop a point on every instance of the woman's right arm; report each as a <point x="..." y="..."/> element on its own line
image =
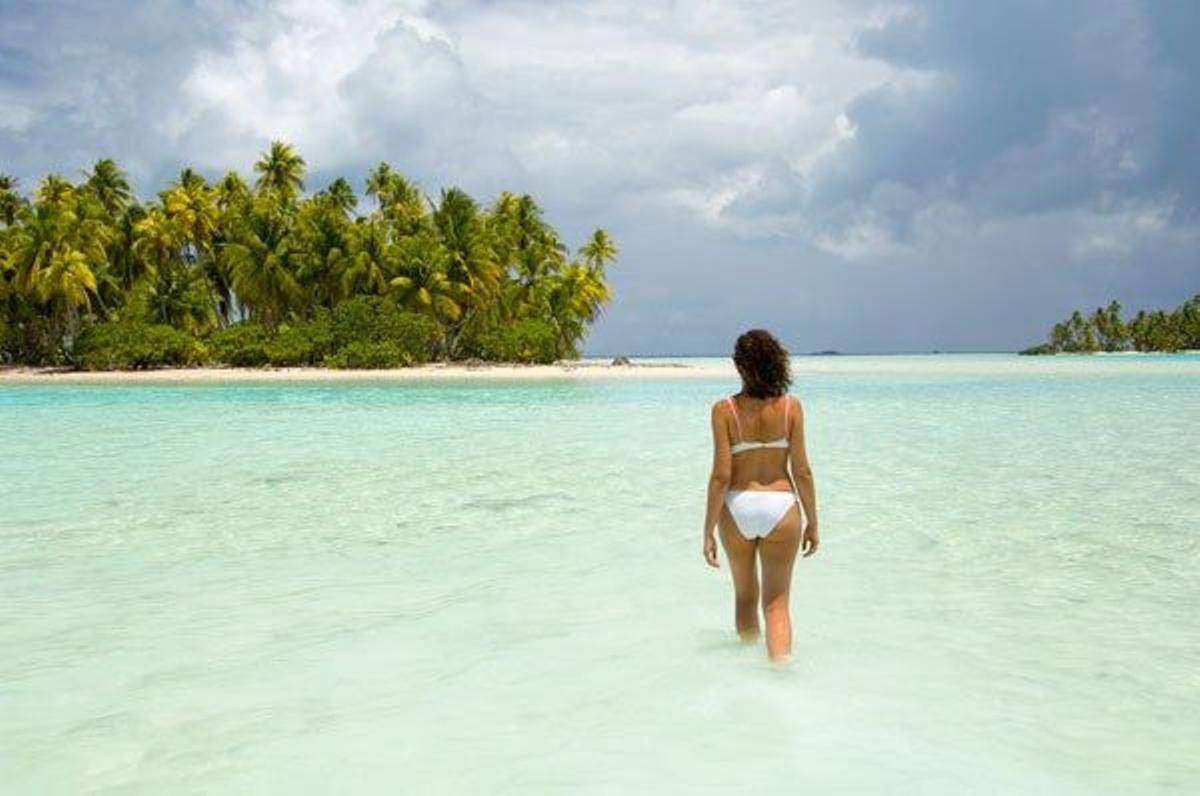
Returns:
<point x="802" y="473"/>
<point x="718" y="482"/>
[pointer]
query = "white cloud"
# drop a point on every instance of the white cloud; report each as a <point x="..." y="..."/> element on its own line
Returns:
<point x="623" y="98"/>
<point x="1116" y="232"/>
<point x="16" y="117"/>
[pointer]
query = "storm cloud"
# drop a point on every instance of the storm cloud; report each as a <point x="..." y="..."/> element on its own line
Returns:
<point x="859" y="176"/>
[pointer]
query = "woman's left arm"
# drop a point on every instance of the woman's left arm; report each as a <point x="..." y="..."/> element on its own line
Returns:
<point x="718" y="481"/>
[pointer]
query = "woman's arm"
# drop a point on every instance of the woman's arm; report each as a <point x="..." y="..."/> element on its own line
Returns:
<point x="718" y="480"/>
<point x="802" y="473"/>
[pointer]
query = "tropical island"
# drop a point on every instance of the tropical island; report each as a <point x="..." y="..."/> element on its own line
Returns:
<point x="231" y="274"/>
<point x="1104" y="330"/>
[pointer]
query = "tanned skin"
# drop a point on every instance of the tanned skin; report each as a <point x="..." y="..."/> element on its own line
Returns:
<point x="764" y="468"/>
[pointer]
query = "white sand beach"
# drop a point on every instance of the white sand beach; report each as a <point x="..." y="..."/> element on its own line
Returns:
<point x="582" y="369"/>
<point x="601" y="368"/>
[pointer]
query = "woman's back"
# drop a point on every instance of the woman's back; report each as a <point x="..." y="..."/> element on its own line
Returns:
<point x="760" y="435"/>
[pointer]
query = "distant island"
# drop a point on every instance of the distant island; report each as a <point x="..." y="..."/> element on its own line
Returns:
<point x="232" y="274"/>
<point x="1104" y="330"/>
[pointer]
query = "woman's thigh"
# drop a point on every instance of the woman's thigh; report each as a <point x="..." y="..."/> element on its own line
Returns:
<point x="740" y="553"/>
<point x="778" y="553"/>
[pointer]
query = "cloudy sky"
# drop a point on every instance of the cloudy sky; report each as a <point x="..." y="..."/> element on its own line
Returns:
<point x="854" y="175"/>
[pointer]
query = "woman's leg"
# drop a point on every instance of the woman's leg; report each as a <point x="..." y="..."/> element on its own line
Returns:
<point x="744" y="566"/>
<point x="778" y="552"/>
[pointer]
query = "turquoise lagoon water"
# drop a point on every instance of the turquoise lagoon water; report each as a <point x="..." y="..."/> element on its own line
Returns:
<point x="498" y="586"/>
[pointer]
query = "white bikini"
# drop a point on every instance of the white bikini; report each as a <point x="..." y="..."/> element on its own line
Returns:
<point x="757" y="511"/>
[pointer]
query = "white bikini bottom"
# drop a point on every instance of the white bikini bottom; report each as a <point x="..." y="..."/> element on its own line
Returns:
<point x="758" y="511"/>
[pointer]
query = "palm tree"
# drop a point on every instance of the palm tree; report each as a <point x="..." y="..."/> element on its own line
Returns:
<point x="125" y="265"/>
<point x="599" y="249"/>
<point x="341" y="195"/>
<point x="156" y="249"/>
<point x="502" y="228"/>
<point x="54" y="260"/>
<point x="576" y="298"/>
<point x="10" y="201"/>
<point x="407" y="207"/>
<point x="233" y="200"/>
<point x="1165" y="332"/>
<point x="158" y="241"/>
<point x="108" y="184"/>
<point x="367" y="270"/>
<point x="1138" y="331"/>
<point x="195" y="216"/>
<point x="231" y="191"/>
<point x="1075" y="331"/>
<point x="190" y="180"/>
<point x="424" y="285"/>
<point x="400" y="200"/>
<point x="1089" y="336"/>
<point x="471" y="260"/>
<point x="379" y="183"/>
<point x="262" y="263"/>
<point x="427" y="290"/>
<point x="1189" y="321"/>
<point x="175" y="295"/>
<point x="1060" y="337"/>
<point x="55" y="191"/>
<point x="1109" y="328"/>
<point x="524" y="241"/>
<point x="530" y="252"/>
<point x="192" y="208"/>
<point x="323" y="243"/>
<point x="281" y="170"/>
<point x="68" y="279"/>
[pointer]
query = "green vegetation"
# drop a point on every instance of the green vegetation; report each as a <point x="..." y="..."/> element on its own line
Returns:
<point x="1104" y="330"/>
<point x="530" y="340"/>
<point x="132" y="345"/>
<point x="229" y="273"/>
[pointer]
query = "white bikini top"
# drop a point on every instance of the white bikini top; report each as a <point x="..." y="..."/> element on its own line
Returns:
<point x="744" y="445"/>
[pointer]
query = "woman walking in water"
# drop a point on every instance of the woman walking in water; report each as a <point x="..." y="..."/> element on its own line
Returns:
<point x="752" y="498"/>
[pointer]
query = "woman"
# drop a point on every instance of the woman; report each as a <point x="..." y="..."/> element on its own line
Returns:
<point x="756" y="435"/>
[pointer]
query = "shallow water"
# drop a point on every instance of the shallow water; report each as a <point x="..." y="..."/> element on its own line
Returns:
<point x="470" y="587"/>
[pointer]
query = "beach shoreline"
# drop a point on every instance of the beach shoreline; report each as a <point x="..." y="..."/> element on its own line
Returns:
<point x="570" y="369"/>
<point x="599" y="368"/>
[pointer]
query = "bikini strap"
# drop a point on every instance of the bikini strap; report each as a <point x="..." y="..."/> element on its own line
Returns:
<point x="737" y="422"/>
<point x="787" y="405"/>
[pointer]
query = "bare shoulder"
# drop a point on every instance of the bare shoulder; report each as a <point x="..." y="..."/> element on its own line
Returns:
<point x="797" y="408"/>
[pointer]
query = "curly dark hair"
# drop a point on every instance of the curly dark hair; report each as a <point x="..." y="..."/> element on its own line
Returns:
<point x="763" y="364"/>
